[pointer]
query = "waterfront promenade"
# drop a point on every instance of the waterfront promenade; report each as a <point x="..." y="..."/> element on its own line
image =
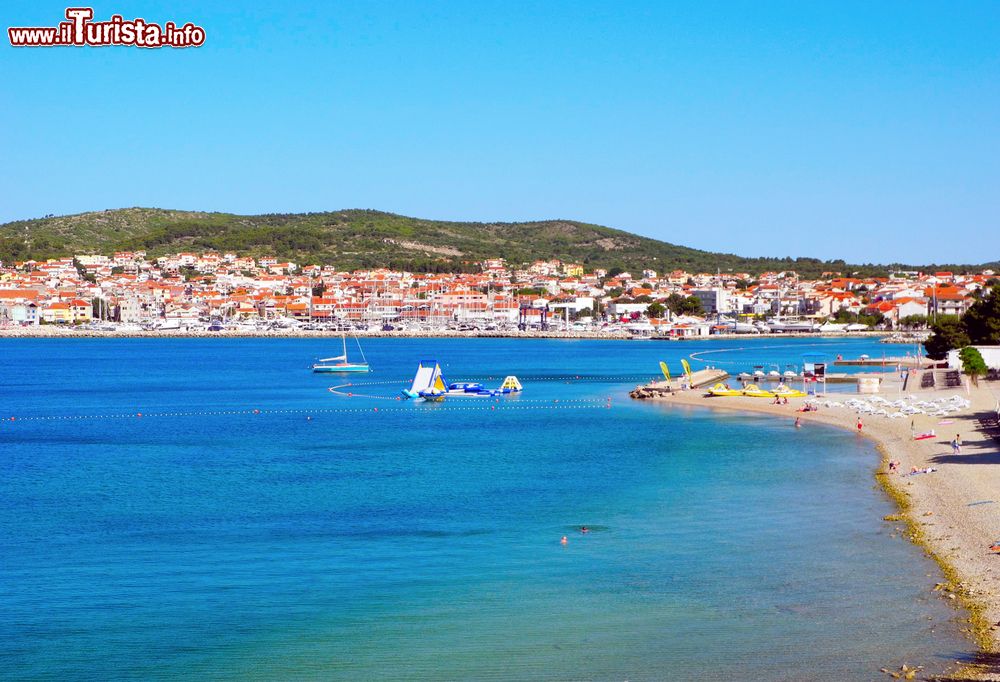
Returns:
<point x="58" y="331"/>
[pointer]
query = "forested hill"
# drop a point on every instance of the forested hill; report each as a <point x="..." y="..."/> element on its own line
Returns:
<point x="365" y="238"/>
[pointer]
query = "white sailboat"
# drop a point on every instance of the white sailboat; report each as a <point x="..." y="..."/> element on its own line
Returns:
<point x="340" y="363"/>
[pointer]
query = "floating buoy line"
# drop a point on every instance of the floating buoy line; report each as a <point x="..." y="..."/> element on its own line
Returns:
<point x="698" y="355"/>
<point x="490" y="406"/>
<point x="593" y="378"/>
<point x="348" y="390"/>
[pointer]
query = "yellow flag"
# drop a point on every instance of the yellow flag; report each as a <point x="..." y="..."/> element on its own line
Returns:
<point x="686" y="366"/>
<point x="665" y="370"/>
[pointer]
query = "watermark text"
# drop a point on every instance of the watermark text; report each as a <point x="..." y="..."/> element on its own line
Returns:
<point x="81" y="30"/>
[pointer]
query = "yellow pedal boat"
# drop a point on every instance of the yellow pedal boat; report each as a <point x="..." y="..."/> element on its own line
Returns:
<point x="721" y="389"/>
<point x="785" y="391"/>
<point x="755" y="391"/>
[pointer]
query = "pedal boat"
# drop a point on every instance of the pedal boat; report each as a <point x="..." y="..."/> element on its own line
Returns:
<point x="722" y="389"/>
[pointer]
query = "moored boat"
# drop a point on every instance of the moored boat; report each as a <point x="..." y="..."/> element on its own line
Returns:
<point x="786" y="391"/>
<point x="722" y="389"/>
<point x="340" y="363"/>
<point x="755" y="391"/>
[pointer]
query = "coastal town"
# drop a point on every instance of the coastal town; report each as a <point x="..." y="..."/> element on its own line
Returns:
<point x="132" y="292"/>
<point x="500" y="341"/>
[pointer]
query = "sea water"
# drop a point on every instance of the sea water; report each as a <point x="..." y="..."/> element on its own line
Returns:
<point x="253" y="524"/>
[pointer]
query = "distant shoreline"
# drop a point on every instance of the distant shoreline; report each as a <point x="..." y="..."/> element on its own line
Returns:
<point x="935" y="512"/>
<point x="51" y="331"/>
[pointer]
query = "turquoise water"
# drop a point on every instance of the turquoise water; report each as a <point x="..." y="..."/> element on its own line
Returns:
<point x="422" y="541"/>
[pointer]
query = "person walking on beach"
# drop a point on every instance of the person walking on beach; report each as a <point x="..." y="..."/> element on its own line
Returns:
<point x="860" y="425"/>
<point x="956" y="445"/>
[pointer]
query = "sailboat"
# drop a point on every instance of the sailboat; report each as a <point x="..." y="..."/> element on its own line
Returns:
<point x="340" y="363"/>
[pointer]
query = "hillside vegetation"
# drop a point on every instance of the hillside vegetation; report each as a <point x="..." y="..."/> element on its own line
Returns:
<point x="364" y="238"/>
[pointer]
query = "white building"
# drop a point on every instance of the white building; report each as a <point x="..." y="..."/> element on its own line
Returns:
<point x="715" y="300"/>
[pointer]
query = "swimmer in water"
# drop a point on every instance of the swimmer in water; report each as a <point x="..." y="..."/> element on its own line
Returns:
<point x="584" y="529"/>
<point x="564" y="541"/>
<point x="798" y="422"/>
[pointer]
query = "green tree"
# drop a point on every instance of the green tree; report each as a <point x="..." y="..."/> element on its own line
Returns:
<point x="84" y="275"/>
<point x="692" y="306"/>
<point x="973" y="363"/>
<point x="845" y="316"/>
<point x="948" y="334"/>
<point x="982" y="320"/>
<point x="979" y="325"/>
<point x="100" y="310"/>
<point x="914" y="321"/>
<point x="684" y="305"/>
<point x="873" y="320"/>
<point x="655" y="309"/>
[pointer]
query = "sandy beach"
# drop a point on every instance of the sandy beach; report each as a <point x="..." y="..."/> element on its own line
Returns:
<point x="952" y="512"/>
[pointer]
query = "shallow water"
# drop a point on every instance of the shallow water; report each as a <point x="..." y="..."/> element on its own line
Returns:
<point x="422" y="541"/>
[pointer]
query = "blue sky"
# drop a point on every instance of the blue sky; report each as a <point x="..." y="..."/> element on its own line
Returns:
<point x="868" y="131"/>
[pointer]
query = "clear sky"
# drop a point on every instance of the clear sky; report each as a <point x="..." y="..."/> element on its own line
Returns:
<point x="868" y="131"/>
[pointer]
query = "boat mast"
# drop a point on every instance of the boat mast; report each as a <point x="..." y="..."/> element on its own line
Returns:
<point x="360" y="350"/>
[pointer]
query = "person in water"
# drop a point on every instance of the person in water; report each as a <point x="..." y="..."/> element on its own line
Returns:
<point x="584" y="529"/>
<point x="798" y="422"/>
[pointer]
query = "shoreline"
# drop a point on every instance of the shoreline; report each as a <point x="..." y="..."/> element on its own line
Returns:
<point x="61" y="332"/>
<point x="949" y="514"/>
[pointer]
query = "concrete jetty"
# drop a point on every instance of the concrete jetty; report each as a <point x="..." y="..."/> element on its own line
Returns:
<point x="702" y="377"/>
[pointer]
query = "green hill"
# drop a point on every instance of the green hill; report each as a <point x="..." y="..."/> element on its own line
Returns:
<point x="364" y="238"/>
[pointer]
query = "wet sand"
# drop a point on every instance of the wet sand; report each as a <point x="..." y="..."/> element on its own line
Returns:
<point x="953" y="512"/>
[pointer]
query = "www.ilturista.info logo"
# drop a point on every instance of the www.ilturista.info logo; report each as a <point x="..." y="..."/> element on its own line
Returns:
<point x="80" y="31"/>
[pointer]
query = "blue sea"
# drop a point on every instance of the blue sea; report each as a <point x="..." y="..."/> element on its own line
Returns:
<point x="252" y="524"/>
